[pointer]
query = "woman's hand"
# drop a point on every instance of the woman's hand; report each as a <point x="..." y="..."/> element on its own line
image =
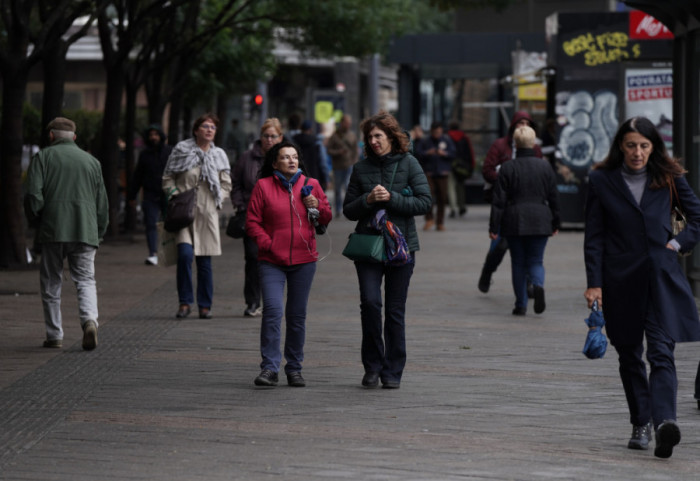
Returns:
<point x="311" y="202"/>
<point x="378" y="194"/>
<point x="593" y="294"/>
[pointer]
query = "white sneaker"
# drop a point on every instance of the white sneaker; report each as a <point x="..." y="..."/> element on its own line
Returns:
<point x="152" y="260"/>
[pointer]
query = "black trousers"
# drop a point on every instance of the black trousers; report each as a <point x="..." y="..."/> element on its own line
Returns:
<point x="653" y="397"/>
<point x="251" y="287"/>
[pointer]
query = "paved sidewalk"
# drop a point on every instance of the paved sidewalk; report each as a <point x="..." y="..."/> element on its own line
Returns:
<point x="485" y="395"/>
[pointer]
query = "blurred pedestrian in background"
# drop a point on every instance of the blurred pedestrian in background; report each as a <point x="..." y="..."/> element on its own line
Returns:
<point x="633" y="272"/>
<point x="462" y="169"/>
<point x="148" y="176"/>
<point x="388" y="178"/>
<point x="502" y="150"/>
<point x="245" y="175"/>
<point x="279" y="221"/>
<point x="66" y="200"/>
<point x="344" y="150"/>
<point x="236" y="142"/>
<point x="525" y="210"/>
<point x="311" y="153"/>
<point x="435" y="153"/>
<point x="197" y="163"/>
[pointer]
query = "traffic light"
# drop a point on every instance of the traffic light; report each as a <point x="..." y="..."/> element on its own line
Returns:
<point x="258" y="100"/>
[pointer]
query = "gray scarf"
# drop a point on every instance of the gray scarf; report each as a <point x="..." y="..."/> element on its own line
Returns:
<point x="187" y="155"/>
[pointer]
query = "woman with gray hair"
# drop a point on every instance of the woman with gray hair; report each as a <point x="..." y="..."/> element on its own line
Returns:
<point x="525" y="210"/>
<point x="198" y="163"/>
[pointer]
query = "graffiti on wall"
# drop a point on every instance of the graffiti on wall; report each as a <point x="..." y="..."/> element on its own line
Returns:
<point x="589" y="122"/>
<point x="602" y="48"/>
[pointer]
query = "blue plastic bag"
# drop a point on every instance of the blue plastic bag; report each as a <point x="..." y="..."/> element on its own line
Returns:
<point x="596" y="342"/>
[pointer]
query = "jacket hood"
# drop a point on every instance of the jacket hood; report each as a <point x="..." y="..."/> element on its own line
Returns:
<point x="304" y="140"/>
<point x="158" y="129"/>
<point x="517" y="117"/>
<point x="456" y="135"/>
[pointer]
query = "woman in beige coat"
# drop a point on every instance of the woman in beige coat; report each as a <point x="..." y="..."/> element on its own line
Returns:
<point x="198" y="163"/>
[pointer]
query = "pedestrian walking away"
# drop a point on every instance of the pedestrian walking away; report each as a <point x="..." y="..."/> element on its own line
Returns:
<point x="501" y="151"/>
<point x="244" y="177"/>
<point x="66" y="201"/>
<point x="283" y="208"/>
<point x="525" y="211"/>
<point x="389" y="178"/>
<point x="633" y="273"/>
<point x="196" y="163"/>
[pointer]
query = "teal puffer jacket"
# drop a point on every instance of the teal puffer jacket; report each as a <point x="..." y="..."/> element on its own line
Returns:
<point x="410" y="194"/>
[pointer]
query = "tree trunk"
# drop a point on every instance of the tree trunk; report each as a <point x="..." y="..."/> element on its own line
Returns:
<point x="13" y="238"/>
<point x="130" y="121"/>
<point x="54" y="65"/>
<point x="174" y="120"/>
<point x="109" y="145"/>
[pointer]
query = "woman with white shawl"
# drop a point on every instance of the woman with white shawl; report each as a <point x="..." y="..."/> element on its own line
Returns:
<point x="196" y="163"/>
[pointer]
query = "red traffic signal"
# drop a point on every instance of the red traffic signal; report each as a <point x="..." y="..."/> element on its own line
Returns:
<point x="258" y="99"/>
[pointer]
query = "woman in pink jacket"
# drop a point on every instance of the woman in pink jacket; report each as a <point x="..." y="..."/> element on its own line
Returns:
<point x="281" y="213"/>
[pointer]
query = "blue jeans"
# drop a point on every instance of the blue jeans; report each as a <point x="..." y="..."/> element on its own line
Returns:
<point x="272" y="280"/>
<point x="151" y="215"/>
<point x="387" y="357"/>
<point x="341" y="179"/>
<point x="526" y="259"/>
<point x="205" y="281"/>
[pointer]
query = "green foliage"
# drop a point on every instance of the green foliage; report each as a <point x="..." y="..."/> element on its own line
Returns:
<point x="498" y="5"/>
<point x="31" y="125"/>
<point x="87" y="127"/>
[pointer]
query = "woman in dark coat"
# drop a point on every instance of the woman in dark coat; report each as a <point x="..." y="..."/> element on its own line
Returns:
<point x="525" y="210"/>
<point x="388" y="178"/>
<point x="633" y="272"/>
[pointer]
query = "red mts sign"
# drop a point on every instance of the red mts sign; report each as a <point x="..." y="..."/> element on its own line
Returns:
<point x="645" y="27"/>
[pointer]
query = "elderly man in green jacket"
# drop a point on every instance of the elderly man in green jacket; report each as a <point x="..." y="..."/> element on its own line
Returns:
<point x="67" y="201"/>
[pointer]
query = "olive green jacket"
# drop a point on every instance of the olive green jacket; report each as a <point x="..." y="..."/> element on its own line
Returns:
<point x="410" y="194"/>
<point x="66" y="195"/>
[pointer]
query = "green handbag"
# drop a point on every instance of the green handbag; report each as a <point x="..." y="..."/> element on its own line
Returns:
<point x="365" y="248"/>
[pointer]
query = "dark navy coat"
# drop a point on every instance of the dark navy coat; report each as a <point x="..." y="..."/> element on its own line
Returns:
<point x="626" y="255"/>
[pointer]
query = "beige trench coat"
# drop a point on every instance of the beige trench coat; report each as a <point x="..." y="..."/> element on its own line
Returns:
<point x="204" y="233"/>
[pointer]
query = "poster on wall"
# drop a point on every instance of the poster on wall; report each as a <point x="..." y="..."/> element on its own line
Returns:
<point x="649" y="93"/>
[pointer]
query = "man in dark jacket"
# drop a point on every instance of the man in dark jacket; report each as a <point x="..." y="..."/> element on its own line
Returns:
<point x="435" y="153"/>
<point x="149" y="177"/>
<point x="502" y="150"/>
<point x="313" y="163"/>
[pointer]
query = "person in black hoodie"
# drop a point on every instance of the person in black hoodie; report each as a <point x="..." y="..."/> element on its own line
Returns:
<point x="149" y="177"/>
<point x="308" y="146"/>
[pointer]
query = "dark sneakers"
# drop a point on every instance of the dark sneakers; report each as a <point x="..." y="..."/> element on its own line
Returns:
<point x="90" y="335"/>
<point x="668" y="435"/>
<point x="252" y="310"/>
<point x="538" y="294"/>
<point x="485" y="281"/>
<point x="266" y="378"/>
<point x="295" y="379"/>
<point x="519" y="311"/>
<point x="641" y="435"/>
<point x="370" y="380"/>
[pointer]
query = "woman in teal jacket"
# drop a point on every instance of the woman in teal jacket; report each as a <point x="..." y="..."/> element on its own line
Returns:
<point x="389" y="178"/>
